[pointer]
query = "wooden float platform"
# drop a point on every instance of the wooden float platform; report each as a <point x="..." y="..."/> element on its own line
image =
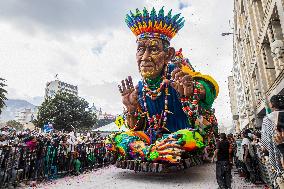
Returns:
<point x="142" y="166"/>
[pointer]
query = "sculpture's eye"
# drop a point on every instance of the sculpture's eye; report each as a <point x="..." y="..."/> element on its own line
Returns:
<point x="154" y="50"/>
<point x="140" y="50"/>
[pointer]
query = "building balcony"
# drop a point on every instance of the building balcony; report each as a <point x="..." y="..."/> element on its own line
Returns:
<point x="276" y="88"/>
<point x="252" y="66"/>
<point x="268" y="10"/>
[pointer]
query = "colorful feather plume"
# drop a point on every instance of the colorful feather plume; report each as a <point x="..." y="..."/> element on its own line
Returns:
<point x="148" y="25"/>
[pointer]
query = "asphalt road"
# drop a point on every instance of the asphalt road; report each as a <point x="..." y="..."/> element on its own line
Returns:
<point x="202" y="177"/>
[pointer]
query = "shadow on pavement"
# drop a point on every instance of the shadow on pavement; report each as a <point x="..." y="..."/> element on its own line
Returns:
<point x="191" y="175"/>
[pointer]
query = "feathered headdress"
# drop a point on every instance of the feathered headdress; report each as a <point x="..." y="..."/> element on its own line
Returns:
<point x="145" y="25"/>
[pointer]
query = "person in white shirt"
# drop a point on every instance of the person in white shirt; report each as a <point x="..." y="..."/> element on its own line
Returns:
<point x="246" y="156"/>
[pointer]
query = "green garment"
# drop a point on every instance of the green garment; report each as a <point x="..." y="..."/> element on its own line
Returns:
<point x="154" y="83"/>
<point x="267" y="110"/>
<point x="77" y="165"/>
<point x="210" y="95"/>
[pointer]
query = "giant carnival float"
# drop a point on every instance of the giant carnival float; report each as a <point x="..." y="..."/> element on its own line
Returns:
<point x="168" y="114"/>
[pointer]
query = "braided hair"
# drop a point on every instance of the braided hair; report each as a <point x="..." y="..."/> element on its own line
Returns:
<point x="277" y="101"/>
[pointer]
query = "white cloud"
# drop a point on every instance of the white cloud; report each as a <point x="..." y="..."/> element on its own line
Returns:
<point x="97" y="58"/>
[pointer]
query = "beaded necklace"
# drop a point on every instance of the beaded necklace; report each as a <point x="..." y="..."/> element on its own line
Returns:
<point x="157" y="121"/>
<point x="153" y="91"/>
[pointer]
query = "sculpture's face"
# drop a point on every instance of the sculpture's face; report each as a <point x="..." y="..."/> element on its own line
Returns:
<point x="151" y="57"/>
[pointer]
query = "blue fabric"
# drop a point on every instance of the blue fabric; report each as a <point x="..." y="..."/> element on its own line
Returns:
<point x="176" y="121"/>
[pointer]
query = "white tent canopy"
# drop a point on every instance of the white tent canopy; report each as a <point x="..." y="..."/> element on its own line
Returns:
<point x="111" y="128"/>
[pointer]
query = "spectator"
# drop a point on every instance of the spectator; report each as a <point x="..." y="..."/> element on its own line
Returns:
<point x="223" y="169"/>
<point x="33" y="156"/>
<point x="268" y="132"/>
<point x="247" y="156"/>
<point x="233" y="147"/>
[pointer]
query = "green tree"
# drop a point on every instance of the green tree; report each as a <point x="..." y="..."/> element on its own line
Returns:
<point x="3" y="93"/>
<point x="15" y="124"/>
<point x="66" y="111"/>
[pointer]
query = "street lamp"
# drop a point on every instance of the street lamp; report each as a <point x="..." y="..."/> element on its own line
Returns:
<point x="226" y="33"/>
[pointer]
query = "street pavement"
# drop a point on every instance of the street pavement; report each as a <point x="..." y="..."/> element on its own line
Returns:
<point x="201" y="177"/>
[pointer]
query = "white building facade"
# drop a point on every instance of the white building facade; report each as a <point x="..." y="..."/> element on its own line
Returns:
<point x="234" y="104"/>
<point x="26" y="115"/>
<point x="258" y="57"/>
<point x="53" y="87"/>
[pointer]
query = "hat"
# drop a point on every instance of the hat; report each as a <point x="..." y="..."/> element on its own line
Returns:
<point x="145" y="25"/>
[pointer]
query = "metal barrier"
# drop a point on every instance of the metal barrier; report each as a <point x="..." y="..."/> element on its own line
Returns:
<point x="264" y="166"/>
<point x="45" y="162"/>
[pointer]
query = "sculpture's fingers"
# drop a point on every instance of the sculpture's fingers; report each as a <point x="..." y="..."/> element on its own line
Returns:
<point x="173" y="149"/>
<point x="167" y="140"/>
<point x="127" y="83"/>
<point x="130" y="81"/>
<point x="179" y="75"/>
<point x="170" y="153"/>
<point x="187" y="80"/>
<point x="120" y="89"/>
<point x="174" y="72"/>
<point x="165" y="146"/>
<point x="187" y="85"/>
<point x="123" y="86"/>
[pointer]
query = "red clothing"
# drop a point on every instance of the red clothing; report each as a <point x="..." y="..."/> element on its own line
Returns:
<point x="31" y="145"/>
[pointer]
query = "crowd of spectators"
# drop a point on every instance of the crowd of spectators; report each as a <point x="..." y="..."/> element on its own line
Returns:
<point x="258" y="154"/>
<point x="31" y="156"/>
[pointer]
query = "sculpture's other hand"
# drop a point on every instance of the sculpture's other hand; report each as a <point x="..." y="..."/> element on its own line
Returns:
<point x="182" y="82"/>
<point x="129" y="94"/>
<point x="168" y="150"/>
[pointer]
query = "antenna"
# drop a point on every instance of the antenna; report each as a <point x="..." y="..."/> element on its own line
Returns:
<point x="56" y="77"/>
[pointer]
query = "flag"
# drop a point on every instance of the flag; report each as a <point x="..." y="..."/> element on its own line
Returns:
<point x="119" y="121"/>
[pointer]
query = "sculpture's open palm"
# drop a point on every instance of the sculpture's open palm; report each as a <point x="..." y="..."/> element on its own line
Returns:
<point x="129" y="94"/>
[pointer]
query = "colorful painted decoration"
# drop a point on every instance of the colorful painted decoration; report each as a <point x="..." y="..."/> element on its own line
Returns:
<point x="169" y="113"/>
<point x="152" y="25"/>
<point x="134" y="146"/>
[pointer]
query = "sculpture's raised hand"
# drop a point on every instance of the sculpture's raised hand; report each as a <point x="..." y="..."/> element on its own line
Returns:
<point x="182" y="82"/>
<point x="129" y="94"/>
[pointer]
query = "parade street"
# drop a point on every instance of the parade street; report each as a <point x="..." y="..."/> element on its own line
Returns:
<point x="200" y="177"/>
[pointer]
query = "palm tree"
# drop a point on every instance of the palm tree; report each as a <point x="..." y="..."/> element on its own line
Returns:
<point x="3" y="93"/>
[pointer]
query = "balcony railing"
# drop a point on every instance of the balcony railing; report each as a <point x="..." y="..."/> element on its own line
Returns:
<point x="265" y="20"/>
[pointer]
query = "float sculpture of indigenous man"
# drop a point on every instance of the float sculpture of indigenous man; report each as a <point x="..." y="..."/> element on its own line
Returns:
<point x="168" y="113"/>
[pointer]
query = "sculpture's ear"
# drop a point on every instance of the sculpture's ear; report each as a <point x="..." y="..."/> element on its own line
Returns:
<point x="170" y="54"/>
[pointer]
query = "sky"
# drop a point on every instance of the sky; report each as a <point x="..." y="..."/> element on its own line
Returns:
<point x="88" y="44"/>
